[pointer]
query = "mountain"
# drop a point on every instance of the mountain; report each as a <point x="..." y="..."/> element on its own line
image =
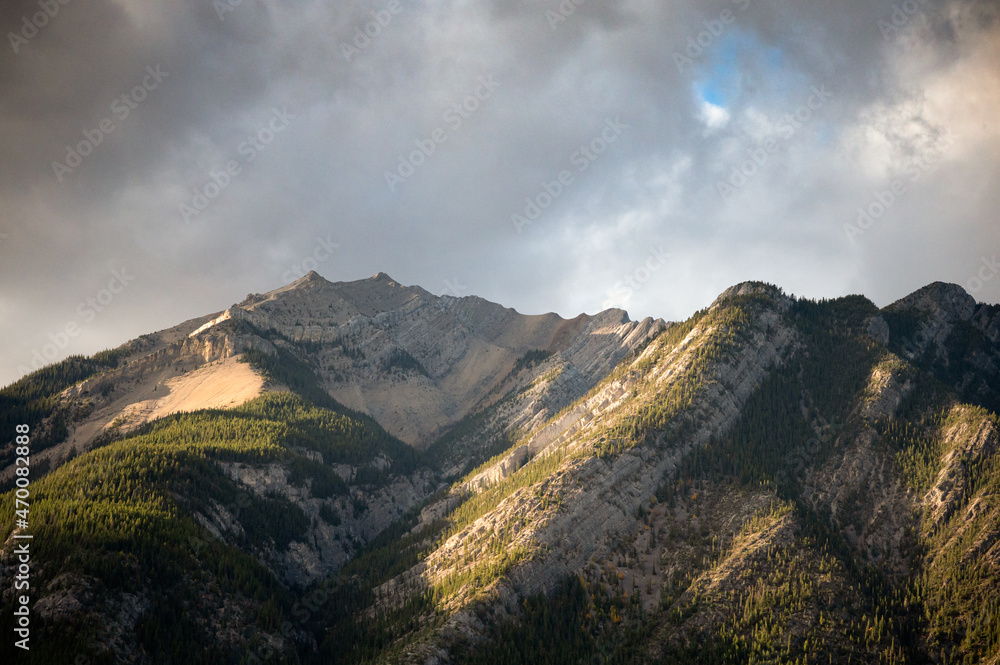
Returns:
<point x="363" y="472"/>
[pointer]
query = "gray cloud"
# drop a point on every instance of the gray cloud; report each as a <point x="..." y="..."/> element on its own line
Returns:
<point x="355" y="105"/>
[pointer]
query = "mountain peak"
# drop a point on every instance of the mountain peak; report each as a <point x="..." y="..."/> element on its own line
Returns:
<point x="751" y="288"/>
<point x="310" y="279"/>
<point x="950" y="299"/>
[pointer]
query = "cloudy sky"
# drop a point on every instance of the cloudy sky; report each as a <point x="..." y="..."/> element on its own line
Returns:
<point x="159" y="161"/>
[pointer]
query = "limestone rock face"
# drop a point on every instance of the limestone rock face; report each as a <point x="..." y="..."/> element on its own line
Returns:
<point x="878" y="329"/>
<point x="419" y="363"/>
<point x="969" y="439"/>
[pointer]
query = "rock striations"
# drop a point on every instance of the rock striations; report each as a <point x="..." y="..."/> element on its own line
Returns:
<point x="365" y="472"/>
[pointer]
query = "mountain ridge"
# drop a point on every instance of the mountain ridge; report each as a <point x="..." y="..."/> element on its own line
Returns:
<point x="772" y="479"/>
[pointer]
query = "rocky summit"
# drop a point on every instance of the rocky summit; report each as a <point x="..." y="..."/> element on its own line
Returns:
<point x="365" y="472"/>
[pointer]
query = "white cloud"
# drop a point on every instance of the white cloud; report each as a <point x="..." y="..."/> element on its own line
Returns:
<point x="714" y="117"/>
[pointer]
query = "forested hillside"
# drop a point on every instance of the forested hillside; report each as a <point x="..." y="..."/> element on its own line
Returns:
<point x="774" y="480"/>
<point x="151" y="544"/>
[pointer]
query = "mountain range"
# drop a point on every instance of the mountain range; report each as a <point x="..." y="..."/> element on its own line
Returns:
<point x="365" y="472"/>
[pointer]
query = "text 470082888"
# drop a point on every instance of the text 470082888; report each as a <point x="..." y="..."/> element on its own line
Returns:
<point x="22" y="576"/>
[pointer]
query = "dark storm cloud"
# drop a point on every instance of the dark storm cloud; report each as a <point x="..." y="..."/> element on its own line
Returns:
<point x="411" y="136"/>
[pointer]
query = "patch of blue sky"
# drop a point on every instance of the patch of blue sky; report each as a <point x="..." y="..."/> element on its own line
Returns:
<point x="739" y="66"/>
